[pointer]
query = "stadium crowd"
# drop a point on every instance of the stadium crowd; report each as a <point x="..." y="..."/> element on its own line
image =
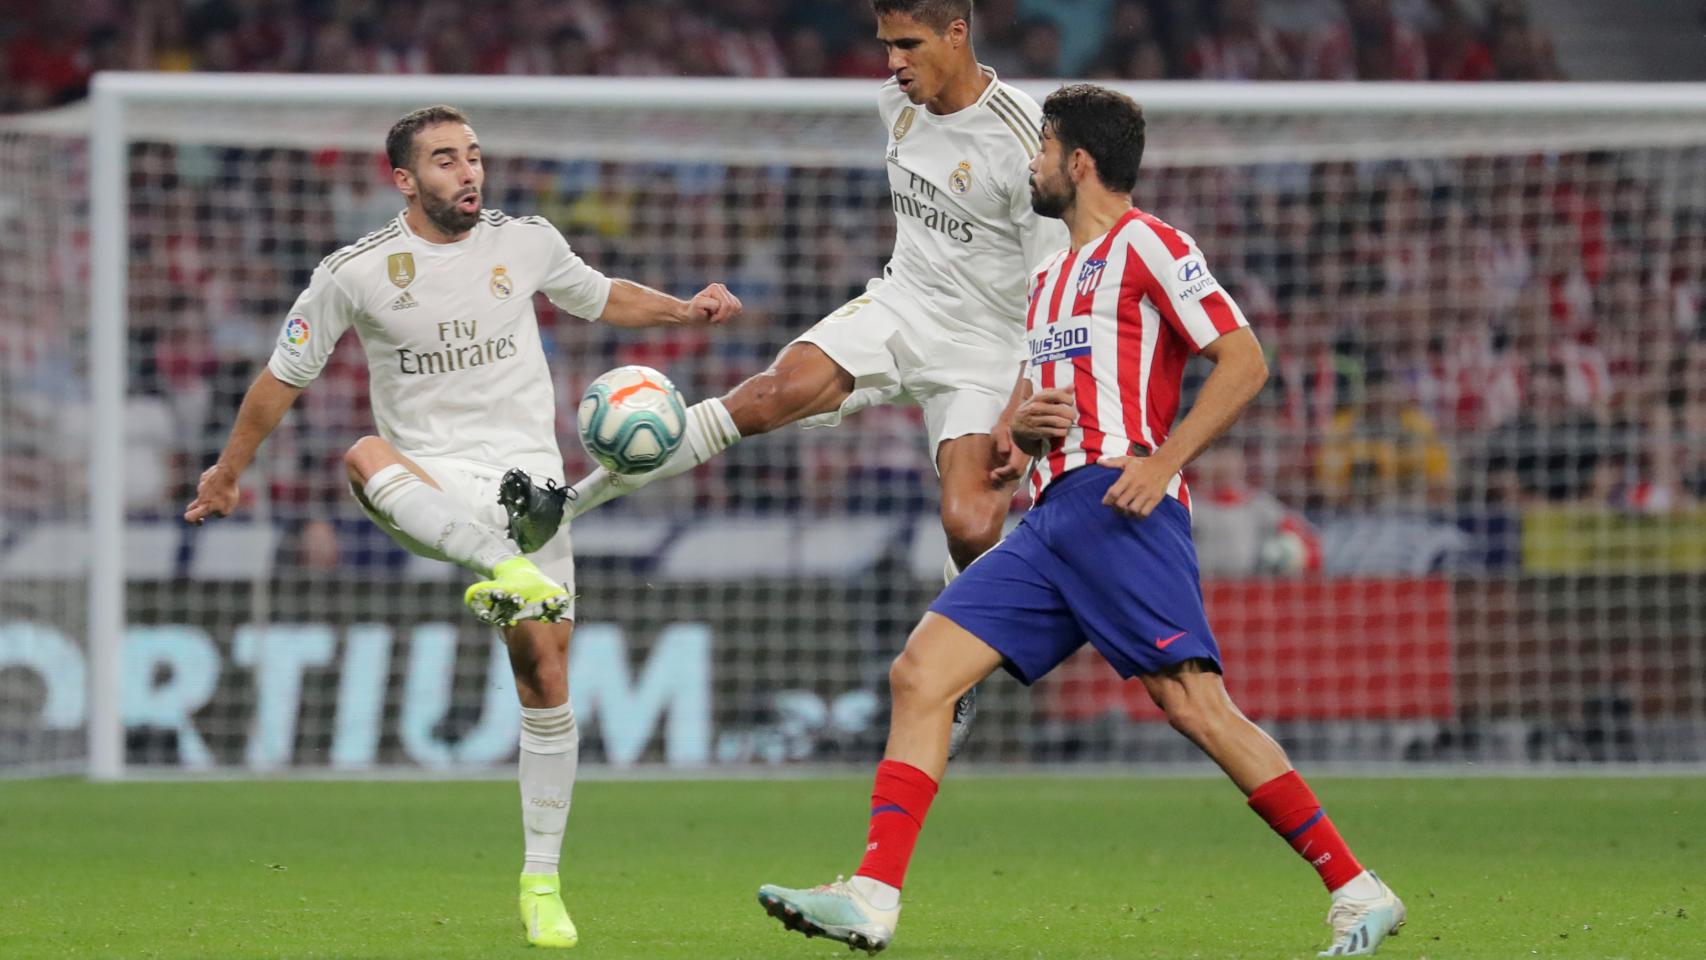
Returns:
<point x="49" y="52"/>
<point x="1452" y="341"/>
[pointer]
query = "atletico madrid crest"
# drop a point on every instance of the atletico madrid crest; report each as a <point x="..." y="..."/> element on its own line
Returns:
<point x="1090" y="276"/>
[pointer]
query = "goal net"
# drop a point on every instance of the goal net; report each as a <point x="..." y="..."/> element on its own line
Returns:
<point x="1465" y="522"/>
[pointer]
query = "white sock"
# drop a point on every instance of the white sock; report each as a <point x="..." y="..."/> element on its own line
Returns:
<point x="436" y="519"/>
<point x="1363" y="886"/>
<point x="876" y="893"/>
<point x="710" y="431"/>
<point x="550" y="748"/>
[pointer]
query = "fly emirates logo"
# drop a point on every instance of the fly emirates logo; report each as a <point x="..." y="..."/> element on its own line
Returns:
<point x="462" y="349"/>
<point x="924" y="209"/>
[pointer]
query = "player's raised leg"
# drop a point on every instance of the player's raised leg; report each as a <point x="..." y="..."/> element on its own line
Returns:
<point x="940" y="663"/>
<point x="1364" y="911"/>
<point x="399" y="490"/>
<point x="550" y="749"/>
<point x="802" y="382"/>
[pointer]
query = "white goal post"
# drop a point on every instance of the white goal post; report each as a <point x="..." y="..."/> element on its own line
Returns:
<point x="1602" y="587"/>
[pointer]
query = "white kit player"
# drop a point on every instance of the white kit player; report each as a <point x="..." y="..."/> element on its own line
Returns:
<point x="442" y="300"/>
<point x="943" y="326"/>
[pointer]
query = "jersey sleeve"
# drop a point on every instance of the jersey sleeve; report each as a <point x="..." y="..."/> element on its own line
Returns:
<point x="1180" y="284"/>
<point x="571" y="284"/>
<point x="313" y="327"/>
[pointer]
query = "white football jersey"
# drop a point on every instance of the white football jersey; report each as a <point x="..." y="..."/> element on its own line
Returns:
<point x="965" y="235"/>
<point x="456" y="368"/>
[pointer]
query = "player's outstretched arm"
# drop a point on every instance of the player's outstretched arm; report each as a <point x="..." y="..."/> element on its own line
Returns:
<point x="637" y="305"/>
<point x="264" y="405"/>
<point x="1240" y="370"/>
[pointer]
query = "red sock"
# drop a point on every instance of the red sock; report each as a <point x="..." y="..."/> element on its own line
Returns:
<point x="1290" y="807"/>
<point x="899" y="800"/>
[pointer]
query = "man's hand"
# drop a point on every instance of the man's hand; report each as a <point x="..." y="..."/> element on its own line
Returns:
<point x="215" y="495"/>
<point x="1041" y="417"/>
<point x="711" y="306"/>
<point x="1009" y="461"/>
<point x="1141" y="487"/>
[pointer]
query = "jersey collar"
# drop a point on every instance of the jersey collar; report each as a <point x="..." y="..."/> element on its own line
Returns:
<point x="415" y="239"/>
<point x="970" y="110"/>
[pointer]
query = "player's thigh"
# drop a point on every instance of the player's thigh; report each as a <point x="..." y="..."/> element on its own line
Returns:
<point x="1135" y="584"/>
<point x="857" y="341"/>
<point x="1010" y="600"/>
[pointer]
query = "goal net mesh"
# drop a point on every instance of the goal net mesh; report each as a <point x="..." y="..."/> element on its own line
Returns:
<point x="1465" y="521"/>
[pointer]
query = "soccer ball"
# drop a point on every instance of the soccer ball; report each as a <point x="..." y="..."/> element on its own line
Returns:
<point x="632" y="419"/>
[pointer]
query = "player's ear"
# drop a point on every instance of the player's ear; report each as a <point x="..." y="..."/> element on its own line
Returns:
<point x="404" y="181"/>
<point x="957" y="33"/>
<point x="1079" y="166"/>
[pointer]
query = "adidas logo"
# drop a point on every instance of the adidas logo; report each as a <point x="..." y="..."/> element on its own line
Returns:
<point x="405" y="302"/>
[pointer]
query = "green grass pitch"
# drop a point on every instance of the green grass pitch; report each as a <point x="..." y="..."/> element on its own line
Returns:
<point x="1010" y="867"/>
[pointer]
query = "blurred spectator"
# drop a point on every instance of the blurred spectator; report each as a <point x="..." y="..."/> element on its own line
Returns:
<point x="1238" y="46"/>
<point x="1456" y="50"/>
<point x="1132" y="49"/>
<point x="1078" y="27"/>
<point x="1241" y="530"/>
<point x="47" y="62"/>
<point x="1551" y="452"/>
<point x="1385" y="449"/>
<point x="1520" y="50"/>
<point x="1370" y="44"/>
<point x="1039" y="49"/>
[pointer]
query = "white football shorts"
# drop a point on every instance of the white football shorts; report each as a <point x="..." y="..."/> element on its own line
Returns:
<point x="962" y="387"/>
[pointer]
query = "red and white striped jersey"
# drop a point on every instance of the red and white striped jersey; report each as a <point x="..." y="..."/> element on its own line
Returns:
<point x="1115" y="321"/>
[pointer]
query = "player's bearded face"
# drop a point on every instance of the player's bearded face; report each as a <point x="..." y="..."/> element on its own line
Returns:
<point x="1052" y="191"/>
<point x="448" y="176"/>
<point x="453" y="207"/>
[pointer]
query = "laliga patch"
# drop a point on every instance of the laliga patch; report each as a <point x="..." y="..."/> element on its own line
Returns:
<point x="1192" y="281"/>
<point x="295" y="334"/>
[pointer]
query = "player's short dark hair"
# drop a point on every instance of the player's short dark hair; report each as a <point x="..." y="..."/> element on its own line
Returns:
<point x="935" y="14"/>
<point x="400" y="142"/>
<point x="1104" y="123"/>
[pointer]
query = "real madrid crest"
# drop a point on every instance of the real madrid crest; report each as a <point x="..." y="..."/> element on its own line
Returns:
<point x="401" y="266"/>
<point x="903" y="123"/>
<point x="960" y="180"/>
<point x="502" y="286"/>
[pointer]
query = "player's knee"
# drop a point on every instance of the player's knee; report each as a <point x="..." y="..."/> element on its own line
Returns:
<point x="909" y="682"/>
<point x="972" y="527"/>
<point x="365" y="457"/>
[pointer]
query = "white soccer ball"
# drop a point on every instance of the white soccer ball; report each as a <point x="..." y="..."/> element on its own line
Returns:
<point x="632" y="419"/>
